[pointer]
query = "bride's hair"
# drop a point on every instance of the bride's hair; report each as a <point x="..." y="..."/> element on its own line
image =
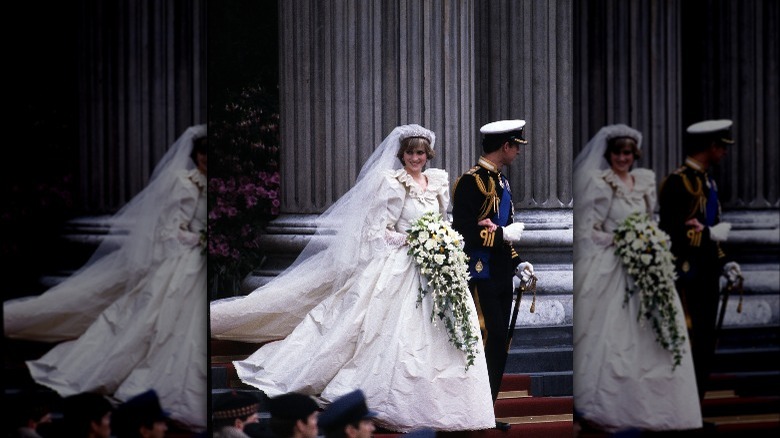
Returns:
<point x="411" y="143"/>
<point x="199" y="146"/>
<point x="615" y="144"/>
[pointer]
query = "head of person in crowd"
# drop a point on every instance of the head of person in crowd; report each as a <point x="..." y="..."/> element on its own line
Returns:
<point x="294" y="415"/>
<point x="140" y="416"/>
<point x="348" y="417"/>
<point x="28" y="414"/>
<point x="235" y="410"/>
<point x="87" y="415"/>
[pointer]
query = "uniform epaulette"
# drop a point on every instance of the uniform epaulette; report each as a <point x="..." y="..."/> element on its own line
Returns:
<point x="471" y="171"/>
<point x="695" y="190"/>
<point x="680" y="171"/>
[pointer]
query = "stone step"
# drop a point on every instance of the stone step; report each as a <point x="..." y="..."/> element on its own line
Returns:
<point x="719" y="404"/>
<point x="539" y="360"/>
<point x="542" y="336"/>
<point x="746" y="359"/>
<point x="747" y="383"/>
<point x="553" y="383"/>
<point x="749" y="336"/>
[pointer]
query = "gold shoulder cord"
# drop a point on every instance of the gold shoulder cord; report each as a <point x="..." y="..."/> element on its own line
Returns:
<point x="491" y="203"/>
<point x="698" y="193"/>
<point x="699" y="205"/>
<point x="491" y="197"/>
<point x="468" y="172"/>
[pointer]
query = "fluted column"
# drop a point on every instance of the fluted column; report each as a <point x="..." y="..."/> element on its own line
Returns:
<point x="628" y="68"/>
<point x="732" y="63"/>
<point x="141" y="83"/>
<point x="660" y="66"/>
<point x="524" y="71"/>
<point x="352" y="70"/>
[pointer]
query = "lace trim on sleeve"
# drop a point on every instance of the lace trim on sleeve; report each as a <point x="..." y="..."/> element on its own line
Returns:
<point x="394" y="239"/>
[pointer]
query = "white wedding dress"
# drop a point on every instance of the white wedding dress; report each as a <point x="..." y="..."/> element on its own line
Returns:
<point x="366" y="332"/>
<point x="127" y="330"/>
<point x="622" y="377"/>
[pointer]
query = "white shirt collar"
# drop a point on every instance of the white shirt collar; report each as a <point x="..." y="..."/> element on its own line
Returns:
<point x="690" y="162"/>
<point x="487" y="164"/>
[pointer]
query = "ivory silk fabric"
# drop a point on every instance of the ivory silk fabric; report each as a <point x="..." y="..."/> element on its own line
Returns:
<point x="369" y="333"/>
<point x="622" y="377"/>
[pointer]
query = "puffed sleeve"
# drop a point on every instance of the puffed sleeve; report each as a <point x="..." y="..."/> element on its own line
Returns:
<point x="174" y="222"/>
<point x="385" y="211"/>
<point x="439" y="181"/>
<point x="592" y="209"/>
<point x="645" y="183"/>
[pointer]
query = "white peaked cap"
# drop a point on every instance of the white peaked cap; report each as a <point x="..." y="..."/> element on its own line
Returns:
<point x="709" y="126"/>
<point x="502" y="126"/>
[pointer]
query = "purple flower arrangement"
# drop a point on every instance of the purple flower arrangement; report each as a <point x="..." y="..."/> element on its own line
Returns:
<point x="243" y="185"/>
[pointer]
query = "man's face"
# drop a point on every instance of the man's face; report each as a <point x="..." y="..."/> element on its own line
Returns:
<point x="510" y="150"/>
<point x="103" y="428"/>
<point x="717" y="152"/>
<point x="365" y="429"/>
<point x="157" y="431"/>
<point x="308" y="427"/>
<point x="240" y="423"/>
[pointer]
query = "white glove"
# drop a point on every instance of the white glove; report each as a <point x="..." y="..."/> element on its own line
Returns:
<point x="732" y="271"/>
<point x="513" y="231"/>
<point x="602" y="238"/>
<point x="720" y="232"/>
<point x="523" y="274"/>
<point x="395" y="239"/>
<point x="188" y="238"/>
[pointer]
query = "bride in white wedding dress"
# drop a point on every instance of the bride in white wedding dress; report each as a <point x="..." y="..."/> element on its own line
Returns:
<point x="134" y="317"/>
<point x="347" y="313"/>
<point x="622" y="377"/>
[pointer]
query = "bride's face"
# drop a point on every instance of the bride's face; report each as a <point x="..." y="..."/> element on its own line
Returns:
<point x="415" y="159"/>
<point x="623" y="158"/>
<point x="202" y="162"/>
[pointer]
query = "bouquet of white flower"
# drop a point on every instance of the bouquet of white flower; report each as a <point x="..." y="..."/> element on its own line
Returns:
<point x="437" y="250"/>
<point x="644" y="250"/>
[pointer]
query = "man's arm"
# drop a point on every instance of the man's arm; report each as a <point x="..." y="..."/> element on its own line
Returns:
<point x="677" y="215"/>
<point x="467" y="204"/>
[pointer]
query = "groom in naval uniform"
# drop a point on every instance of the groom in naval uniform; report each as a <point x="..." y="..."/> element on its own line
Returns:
<point x="483" y="213"/>
<point x="690" y="214"/>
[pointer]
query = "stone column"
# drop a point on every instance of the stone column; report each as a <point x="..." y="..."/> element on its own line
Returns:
<point x="352" y="70"/>
<point x="524" y="71"/>
<point x="659" y="66"/>
<point x="141" y="83"/>
<point x="628" y="70"/>
<point x="732" y="63"/>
